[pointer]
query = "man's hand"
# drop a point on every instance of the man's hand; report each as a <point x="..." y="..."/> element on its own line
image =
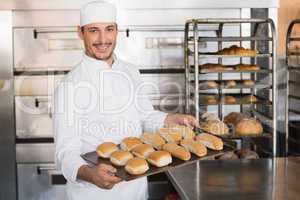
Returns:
<point x="101" y="175"/>
<point x="181" y="119"/>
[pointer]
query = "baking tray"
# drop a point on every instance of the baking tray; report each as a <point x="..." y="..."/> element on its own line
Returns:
<point x="93" y="158"/>
<point x="214" y="55"/>
<point x="239" y="85"/>
<point x="207" y="71"/>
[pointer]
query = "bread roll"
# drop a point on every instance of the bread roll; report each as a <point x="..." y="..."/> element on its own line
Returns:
<point x="120" y="157"/>
<point x="160" y="158"/>
<point x="209" y="117"/>
<point x="186" y="132"/>
<point x="142" y="150"/>
<point x="230" y="84"/>
<point x="233" y="118"/>
<point x="153" y="139"/>
<point x="129" y="143"/>
<point x="170" y="135"/>
<point x="248" y="127"/>
<point x="136" y="166"/>
<point x="210" y="67"/>
<point x="212" y="84"/>
<point x="229" y="99"/>
<point x="210" y="141"/>
<point x="250" y="99"/>
<point x="177" y="151"/>
<point x="105" y="149"/>
<point x="215" y="127"/>
<point x="247" y="67"/>
<point x="235" y="50"/>
<point x="248" y="83"/>
<point x="195" y="147"/>
<point x="210" y="99"/>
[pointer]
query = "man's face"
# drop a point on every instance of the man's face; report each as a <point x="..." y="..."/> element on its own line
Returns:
<point x="99" y="40"/>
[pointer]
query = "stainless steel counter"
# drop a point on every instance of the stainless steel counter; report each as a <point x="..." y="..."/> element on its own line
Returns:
<point x="262" y="179"/>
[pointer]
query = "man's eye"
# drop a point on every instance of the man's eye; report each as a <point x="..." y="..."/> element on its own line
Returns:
<point x="93" y="31"/>
<point x="110" y="29"/>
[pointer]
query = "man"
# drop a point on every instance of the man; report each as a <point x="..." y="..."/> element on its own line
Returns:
<point x="101" y="99"/>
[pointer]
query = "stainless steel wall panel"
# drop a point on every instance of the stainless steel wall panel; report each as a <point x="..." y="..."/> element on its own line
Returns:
<point x="35" y="153"/>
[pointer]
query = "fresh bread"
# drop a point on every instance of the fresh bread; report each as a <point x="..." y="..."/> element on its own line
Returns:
<point x="212" y="84"/>
<point x="249" y="126"/>
<point x="186" y="132"/>
<point x="210" y="67"/>
<point x="209" y="117"/>
<point x="136" y="166"/>
<point x="120" y="157"/>
<point x="160" y="158"/>
<point x="233" y="118"/>
<point x="230" y="84"/>
<point x="169" y="134"/>
<point x="129" y="143"/>
<point x="248" y="83"/>
<point x="236" y="50"/>
<point x="229" y="99"/>
<point x="242" y="67"/>
<point x="210" y="99"/>
<point x="215" y="127"/>
<point x="153" y="139"/>
<point x="177" y="151"/>
<point x="250" y="98"/>
<point x="142" y="150"/>
<point x="195" y="147"/>
<point x="105" y="149"/>
<point x="210" y="141"/>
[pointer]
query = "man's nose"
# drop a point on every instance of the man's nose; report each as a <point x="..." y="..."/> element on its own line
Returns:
<point x="101" y="36"/>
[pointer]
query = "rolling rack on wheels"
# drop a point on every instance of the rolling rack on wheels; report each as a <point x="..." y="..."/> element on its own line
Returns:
<point x="293" y="94"/>
<point x="202" y="47"/>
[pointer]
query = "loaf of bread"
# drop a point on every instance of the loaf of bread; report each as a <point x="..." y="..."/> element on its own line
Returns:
<point x="160" y="158"/>
<point x="137" y="166"/>
<point x="120" y="157"/>
<point x="229" y="100"/>
<point x="210" y="67"/>
<point x="153" y="139"/>
<point x="210" y="141"/>
<point x="177" y="151"/>
<point x="142" y="150"/>
<point x="169" y="134"/>
<point x="129" y="143"/>
<point x="243" y="67"/>
<point x="207" y="116"/>
<point x="230" y="84"/>
<point x="215" y="127"/>
<point x="249" y="99"/>
<point x="186" y="132"/>
<point x="196" y="148"/>
<point x="248" y="83"/>
<point x="236" y="50"/>
<point x="105" y="149"/>
<point x="210" y="99"/>
<point x="248" y="126"/>
<point x="233" y="118"/>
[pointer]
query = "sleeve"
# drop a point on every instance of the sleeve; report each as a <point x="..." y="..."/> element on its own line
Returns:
<point x="151" y="119"/>
<point x="67" y="136"/>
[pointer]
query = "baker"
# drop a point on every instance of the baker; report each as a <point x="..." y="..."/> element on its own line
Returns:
<point x="102" y="99"/>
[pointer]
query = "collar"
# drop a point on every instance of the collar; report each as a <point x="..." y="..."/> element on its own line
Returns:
<point x="92" y="63"/>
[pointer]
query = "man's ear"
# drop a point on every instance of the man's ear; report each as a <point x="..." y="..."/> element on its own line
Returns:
<point x="79" y="32"/>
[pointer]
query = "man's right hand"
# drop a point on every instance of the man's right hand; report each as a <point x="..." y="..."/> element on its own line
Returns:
<point x="102" y="175"/>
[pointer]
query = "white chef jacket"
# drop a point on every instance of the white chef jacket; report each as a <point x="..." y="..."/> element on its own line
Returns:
<point x="93" y="104"/>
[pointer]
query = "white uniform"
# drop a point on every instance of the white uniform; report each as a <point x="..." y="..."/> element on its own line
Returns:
<point x="93" y="104"/>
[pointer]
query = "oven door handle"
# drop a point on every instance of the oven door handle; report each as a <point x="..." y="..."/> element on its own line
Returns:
<point x="40" y="169"/>
<point x="55" y="179"/>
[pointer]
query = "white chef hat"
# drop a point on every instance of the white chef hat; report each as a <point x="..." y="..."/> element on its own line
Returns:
<point x="97" y="11"/>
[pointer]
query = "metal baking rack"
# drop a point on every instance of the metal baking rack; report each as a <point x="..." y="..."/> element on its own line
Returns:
<point x="293" y="98"/>
<point x="194" y="75"/>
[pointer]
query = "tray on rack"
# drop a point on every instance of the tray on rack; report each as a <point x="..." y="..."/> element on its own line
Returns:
<point x="207" y="71"/>
<point x="93" y="158"/>
<point x="239" y="85"/>
<point x="238" y="97"/>
<point x="214" y="55"/>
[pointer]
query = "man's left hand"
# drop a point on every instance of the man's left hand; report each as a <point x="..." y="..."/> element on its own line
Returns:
<point x="181" y="119"/>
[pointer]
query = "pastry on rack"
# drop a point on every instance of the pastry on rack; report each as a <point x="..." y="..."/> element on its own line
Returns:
<point x="211" y="67"/>
<point x="248" y="126"/>
<point x="236" y="50"/>
<point x="230" y="84"/>
<point x="210" y="141"/>
<point x="210" y="99"/>
<point x="248" y="83"/>
<point x="215" y="127"/>
<point x="229" y="100"/>
<point x="207" y="116"/>
<point x="242" y="67"/>
<point x="209" y="84"/>
<point x="249" y="99"/>
<point x="233" y="118"/>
